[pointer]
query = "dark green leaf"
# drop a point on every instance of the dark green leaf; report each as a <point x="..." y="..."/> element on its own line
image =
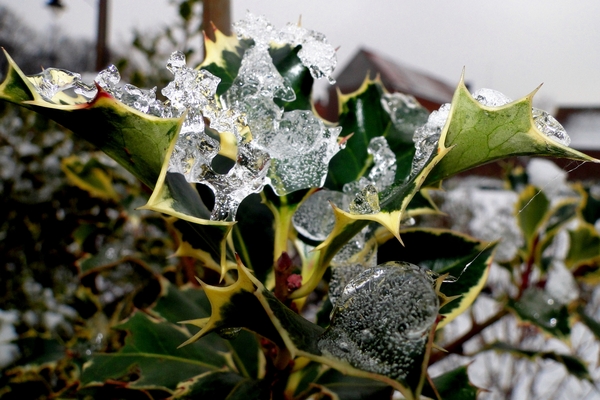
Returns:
<point x="537" y="307"/>
<point x="574" y="365"/>
<point x="352" y="388"/>
<point x="151" y="347"/>
<point x="585" y="246"/>
<point x="530" y="209"/>
<point x="296" y="75"/>
<point x="452" y="385"/>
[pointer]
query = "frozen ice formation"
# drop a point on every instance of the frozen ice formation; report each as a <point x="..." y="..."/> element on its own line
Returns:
<point x="405" y="112"/>
<point x="288" y="150"/>
<point x="366" y="201"/>
<point x="427" y="136"/>
<point x="314" y="219"/>
<point x="316" y="53"/>
<point x="381" y="321"/>
<point x="491" y="97"/>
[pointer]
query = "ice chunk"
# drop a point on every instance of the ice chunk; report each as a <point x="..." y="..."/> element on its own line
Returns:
<point x="258" y="76"/>
<point x="87" y="91"/>
<point x="381" y="321"/>
<point x="300" y="148"/>
<point x="491" y="97"/>
<point x="405" y="112"/>
<point x="318" y="56"/>
<point x="314" y="219"/>
<point x="53" y="80"/>
<point x="383" y="172"/>
<point x="140" y="99"/>
<point x="366" y="201"/>
<point x="255" y="27"/>
<point x="426" y="137"/>
<point x="550" y="127"/>
<point x="108" y="79"/>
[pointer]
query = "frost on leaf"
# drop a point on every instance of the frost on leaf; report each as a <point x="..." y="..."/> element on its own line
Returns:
<point x="382" y="319"/>
<point x="288" y="150"/>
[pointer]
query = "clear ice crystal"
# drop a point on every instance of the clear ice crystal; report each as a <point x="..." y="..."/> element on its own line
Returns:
<point x="300" y="148"/>
<point x="258" y="76"/>
<point x="140" y="99"/>
<point x="491" y="97"/>
<point x="550" y="127"/>
<point x="53" y="80"/>
<point x="314" y="219"/>
<point x="405" y="112"/>
<point x="427" y="136"/>
<point x="381" y="320"/>
<point x="108" y="79"/>
<point x="383" y="172"/>
<point x="366" y="201"/>
<point x="316" y="53"/>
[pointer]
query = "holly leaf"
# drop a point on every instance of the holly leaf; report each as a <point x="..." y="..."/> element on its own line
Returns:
<point x="572" y="364"/>
<point x="584" y="249"/>
<point x="452" y="385"/>
<point x="363" y="116"/>
<point x="465" y="259"/>
<point x="90" y="176"/>
<point x="351" y="388"/>
<point x="530" y="209"/>
<point x="151" y="348"/>
<point x="137" y="141"/>
<point x="480" y="134"/>
<point x="537" y="308"/>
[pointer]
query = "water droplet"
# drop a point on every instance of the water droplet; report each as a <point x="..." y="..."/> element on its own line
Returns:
<point x="553" y="322"/>
<point x="550" y="127"/>
<point x="383" y="317"/>
<point x="53" y="80"/>
<point x="229" y="333"/>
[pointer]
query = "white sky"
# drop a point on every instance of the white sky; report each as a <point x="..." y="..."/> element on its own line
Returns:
<point x="508" y="45"/>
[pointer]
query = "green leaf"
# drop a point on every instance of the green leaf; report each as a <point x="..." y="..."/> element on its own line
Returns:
<point x="531" y="207"/>
<point x="151" y="347"/>
<point x="137" y="141"/>
<point x="573" y="365"/>
<point x="584" y="248"/>
<point x="590" y="205"/>
<point x="539" y="309"/>
<point x="463" y="257"/>
<point x="363" y="116"/>
<point x="352" y="388"/>
<point x="452" y="385"/>
<point x="479" y="134"/>
<point x="212" y="385"/>
<point x="554" y="221"/>
<point x="90" y="177"/>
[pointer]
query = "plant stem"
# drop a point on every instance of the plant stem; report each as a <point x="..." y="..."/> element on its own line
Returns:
<point x="456" y="346"/>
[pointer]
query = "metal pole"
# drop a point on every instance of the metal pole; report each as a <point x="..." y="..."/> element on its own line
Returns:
<point x="102" y="55"/>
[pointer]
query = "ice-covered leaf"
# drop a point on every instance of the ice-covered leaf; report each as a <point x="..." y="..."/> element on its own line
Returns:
<point x="151" y="347"/>
<point x="574" y="365"/>
<point x="363" y="115"/>
<point x="452" y="385"/>
<point x="531" y="208"/>
<point x="200" y="237"/>
<point x="479" y="134"/>
<point x="465" y="259"/>
<point x="90" y="176"/>
<point x="135" y="140"/>
<point x="538" y="308"/>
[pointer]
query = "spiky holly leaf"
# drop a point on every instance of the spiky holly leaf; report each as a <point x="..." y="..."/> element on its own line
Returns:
<point x="462" y="257"/>
<point x="574" y="365"/>
<point x="452" y="385"/>
<point x="135" y="140"/>
<point x="363" y="116"/>
<point x="151" y="348"/>
<point x="343" y="387"/>
<point x="554" y="221"/>
<point x="536" y="307"/>
<point x="480" y="134"/>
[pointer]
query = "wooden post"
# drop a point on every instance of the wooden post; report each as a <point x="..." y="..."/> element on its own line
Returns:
<point x="102" y="54"/>
<point x="217" y="13"/>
